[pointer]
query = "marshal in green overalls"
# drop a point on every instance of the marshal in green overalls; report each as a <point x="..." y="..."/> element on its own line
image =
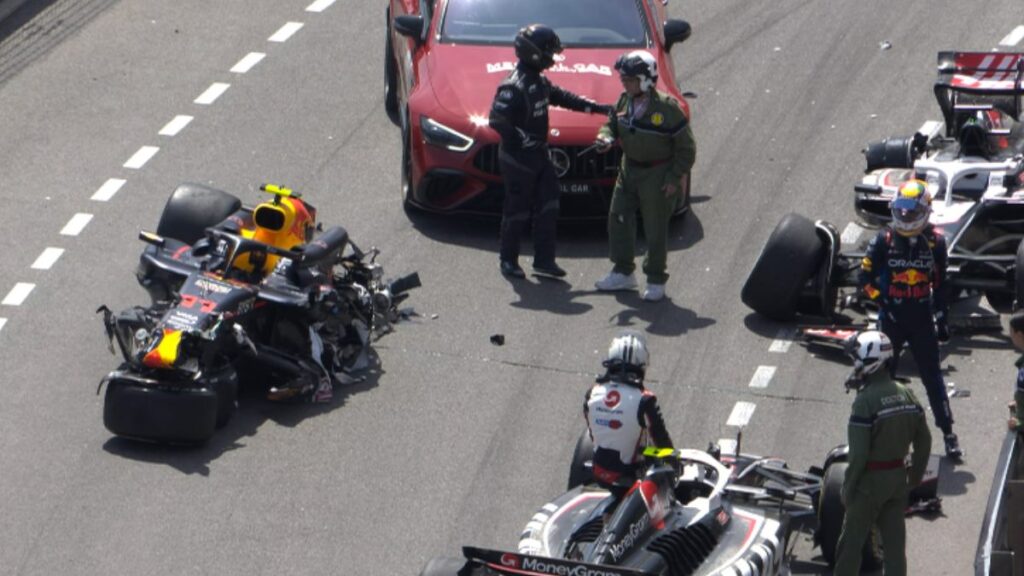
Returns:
<point x="886" y="420"/>
<point x="658" y="150"/>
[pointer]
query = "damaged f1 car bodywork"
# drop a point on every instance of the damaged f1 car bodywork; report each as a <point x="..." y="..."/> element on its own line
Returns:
<point x="691" y="513"/>
<point x="974" y="170"/>
<point x="239" y="295"/>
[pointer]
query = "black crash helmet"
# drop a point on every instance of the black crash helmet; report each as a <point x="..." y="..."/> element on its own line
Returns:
<point x="536" y="46"/>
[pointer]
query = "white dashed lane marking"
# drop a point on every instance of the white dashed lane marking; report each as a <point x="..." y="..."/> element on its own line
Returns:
<point x="18" y="294"/>
<point x="2" y="322"/>
<point x="107" y="191"/>
<point x="727" y="445"/>
<point x="1013" y="37"/>
<point x="75" y="226"/>
<point x="174" y="126"/>
<point x="245" y="64"/>
<point x="741" y="414"/>
<point x="143" y="155"/>
<point x="212" y="93"/>
<point x="285" y="32"/>
<point x="762" y="376"/>
<point x="851" y="233"/>
<point x="319" y="5"/>
<point x="47" y="259"/>
<point x="930" y="128"/>
<point x="783" y="340"/>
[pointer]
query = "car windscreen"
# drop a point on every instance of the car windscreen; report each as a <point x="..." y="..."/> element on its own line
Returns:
<point x="580" y="23"/>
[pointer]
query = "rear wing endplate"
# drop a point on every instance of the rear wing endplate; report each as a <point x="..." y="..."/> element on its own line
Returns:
<point x="979" y="80"/>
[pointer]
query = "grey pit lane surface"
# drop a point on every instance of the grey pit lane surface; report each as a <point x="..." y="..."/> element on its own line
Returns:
<point x="456" y="441"/>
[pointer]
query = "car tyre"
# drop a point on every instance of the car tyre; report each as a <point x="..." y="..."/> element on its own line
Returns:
<point x="830" y="520"/>
<point x="390" y="74"/>
<point x="193" y="208"/>
<point x="443" y="566"/>
<point x="792" y="254"/>
<point x="579" y="472"/>
<point x="407" y="183"/>
<point x="171" y="415"/>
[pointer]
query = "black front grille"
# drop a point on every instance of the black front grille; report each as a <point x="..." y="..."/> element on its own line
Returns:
<point x="587" y="167"/>
<point x="684" y="549"/>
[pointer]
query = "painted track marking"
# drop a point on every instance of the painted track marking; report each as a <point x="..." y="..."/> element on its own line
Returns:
<point x="1014" y="37"/>
<point x="47" y="259"/>
<point x="210" y="95"/>
<point x="319" y="5"/>
<point x="76" y="224"/>
<point x="851" y="233"/>
<point x="285" y="32"/>
<point x="245" y="64"/>
<point x="741" y="414"/>
<point x="176" y="125"/>
<point x="762" y="376"/>
<point x="141" y="156"/>
<point x="107" y="191"/>
<point x="2" y="322"/>
<point x="18" y="294"/>
<point x="783" y="340"/>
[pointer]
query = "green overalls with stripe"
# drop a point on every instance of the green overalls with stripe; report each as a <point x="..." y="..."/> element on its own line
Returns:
<point x="886" y="420"/>
<point x="658" y="148"/>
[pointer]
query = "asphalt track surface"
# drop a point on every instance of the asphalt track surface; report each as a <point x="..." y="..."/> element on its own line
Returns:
<point x="456" y="441"/>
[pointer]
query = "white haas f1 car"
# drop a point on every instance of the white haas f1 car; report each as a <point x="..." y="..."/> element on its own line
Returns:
<point x="691" y="513"/>
<point x="974" y="170"/>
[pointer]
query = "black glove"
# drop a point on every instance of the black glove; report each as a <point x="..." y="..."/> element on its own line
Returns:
<point x="941" y="327"/>
<point x="607" y="110"/>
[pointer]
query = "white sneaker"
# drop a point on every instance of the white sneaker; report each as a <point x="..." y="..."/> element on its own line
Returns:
<point x="654" y="292"/>
<point x="615" y="281"/>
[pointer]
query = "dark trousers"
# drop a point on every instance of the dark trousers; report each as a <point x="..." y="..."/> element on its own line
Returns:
<point x="531" y="191"/>
<point x="914" y="325"/>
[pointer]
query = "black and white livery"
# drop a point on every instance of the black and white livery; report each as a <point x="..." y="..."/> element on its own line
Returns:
<point x="691" y="512"/>
<point x="973" y="164"/>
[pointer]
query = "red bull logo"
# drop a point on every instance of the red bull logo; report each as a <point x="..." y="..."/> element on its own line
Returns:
<point x="910" y="277"/>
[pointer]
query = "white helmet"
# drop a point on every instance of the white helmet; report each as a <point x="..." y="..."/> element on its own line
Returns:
<point x="639" y="64"/>
<point x="870" y="351"/>
<point x="628" y="353"/>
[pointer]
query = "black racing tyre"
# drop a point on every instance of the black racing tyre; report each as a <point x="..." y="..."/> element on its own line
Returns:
<point x="442" y="566"/>
<point x="1018" y="278"/>
<point x="579" y="472"/>
<point x="193" y="208"/>
<point x="390" y="74"/>
<point x="792" y="254"/>
<point x="830" y="520"/>
<point x="172" y="415"/>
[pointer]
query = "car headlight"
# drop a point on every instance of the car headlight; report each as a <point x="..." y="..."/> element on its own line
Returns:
<point x="440" y="135"/>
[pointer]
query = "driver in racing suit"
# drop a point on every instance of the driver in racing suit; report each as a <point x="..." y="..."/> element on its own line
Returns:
<point x="904" y="271"/>
<point x="519" y="114"/>
<point x="623" y="416"/>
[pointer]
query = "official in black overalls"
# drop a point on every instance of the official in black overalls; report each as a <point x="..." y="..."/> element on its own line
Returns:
<point x="520" y="115"/>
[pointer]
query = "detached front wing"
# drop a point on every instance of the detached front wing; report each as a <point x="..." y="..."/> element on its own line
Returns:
<point x="498" y="562"/>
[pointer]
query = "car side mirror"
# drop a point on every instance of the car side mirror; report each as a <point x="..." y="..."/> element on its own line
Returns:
<point x="411" y="26"/>
<point x="676" y="31"/>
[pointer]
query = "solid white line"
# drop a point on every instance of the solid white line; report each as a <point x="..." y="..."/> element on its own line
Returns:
<point x="783" y="340"/>
<point x="174" y="126"/>
<point x="143" y="155"/>
<point x="47" y="259"/>
<point x="930" y="128"/>
<point x="285" y="32"/>
<point x="212" y="93"/>
<point x="319" y="5"/>
<point x="741" y="414"/>
<point x="2" y="322"/>
<point x="245" y="64"/>
<point x="75" y="226"/>
<point x="1013" y="37"/>
<point x="107" y="191"/>
<point x="18" y="294"/>
<point x="851" y="233"/>
<point x="762" y="376"/>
